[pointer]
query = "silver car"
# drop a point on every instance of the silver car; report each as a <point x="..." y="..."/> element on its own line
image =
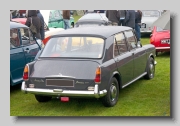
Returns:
<point x="148" y="17"/>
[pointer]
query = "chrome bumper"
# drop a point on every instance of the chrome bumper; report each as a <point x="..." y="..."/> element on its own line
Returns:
<point x="60" y="92"/>
<point x="162" y="48"/>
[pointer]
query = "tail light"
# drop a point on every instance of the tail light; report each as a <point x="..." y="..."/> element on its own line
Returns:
<point x="151" y="39"/>
<point x="26" y="73"/>
<point x="98" y="75"/>
<point x="45" y="40"/>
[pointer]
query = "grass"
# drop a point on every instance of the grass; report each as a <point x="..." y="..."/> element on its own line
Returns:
<point x="142" y="98"/>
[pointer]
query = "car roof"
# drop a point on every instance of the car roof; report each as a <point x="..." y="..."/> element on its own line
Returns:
<point x="91" y="21"/>
<point x="93" y="16"/>
<point x="21" y="20"/>
<point x="98" y="31"/>
<point x="16" y="25"/>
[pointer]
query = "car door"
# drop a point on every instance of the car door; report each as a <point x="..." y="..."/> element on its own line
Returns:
<point x="17" y="58"/>
<point x="123" y="58"/>
<point x="28" y="44"/>
<point x="139" y="54"/>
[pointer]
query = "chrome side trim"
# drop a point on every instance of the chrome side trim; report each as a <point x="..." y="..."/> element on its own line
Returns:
<point x="134" y="79"/>
<point x="60" y="92"/>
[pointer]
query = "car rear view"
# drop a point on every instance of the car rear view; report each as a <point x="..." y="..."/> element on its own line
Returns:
<point x="160" y="39"/>
<point x="67" y="67"/>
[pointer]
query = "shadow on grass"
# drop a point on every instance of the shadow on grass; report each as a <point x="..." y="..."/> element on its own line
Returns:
<point x="15" y="88"/>
<point x="163" y="54"/>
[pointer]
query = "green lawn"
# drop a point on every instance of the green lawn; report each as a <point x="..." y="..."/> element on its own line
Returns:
<point x="142" y="98"/>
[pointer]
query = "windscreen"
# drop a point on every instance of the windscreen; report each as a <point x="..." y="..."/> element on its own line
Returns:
<point x="74" y="47"/>
<point x="150" y="13"/>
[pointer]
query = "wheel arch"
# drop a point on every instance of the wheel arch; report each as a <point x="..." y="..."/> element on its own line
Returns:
<point x="117" y="75"/>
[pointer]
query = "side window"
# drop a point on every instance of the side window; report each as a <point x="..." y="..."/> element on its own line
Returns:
<point x="26" y="36"/>
<point x="121" y="43"/>
<point x="57" y="14"/>
<point x="14" y="38"/>
<point x="116" y="51"/>
<point x="131" y="39"/>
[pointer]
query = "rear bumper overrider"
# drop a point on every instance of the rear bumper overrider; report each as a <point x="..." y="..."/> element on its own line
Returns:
<point x="60" y="92"/>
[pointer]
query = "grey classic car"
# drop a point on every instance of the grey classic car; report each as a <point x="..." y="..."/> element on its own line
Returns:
<point x="87" y="62"/>
<point x="93" y="19"/>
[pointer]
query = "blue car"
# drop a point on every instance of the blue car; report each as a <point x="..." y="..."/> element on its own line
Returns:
<point x="23" y="50"/>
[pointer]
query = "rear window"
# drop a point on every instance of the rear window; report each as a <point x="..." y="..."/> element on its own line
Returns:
<point x="74" y="47"/>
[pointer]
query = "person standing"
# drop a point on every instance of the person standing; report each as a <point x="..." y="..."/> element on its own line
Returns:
<point x="42" y="23"/>
<point x="32" y="17"/>
<point x="113" y="16"/>
<point x="122" y="14"/>
<point x="66" y="18"/>
<point x="138" y="15"/>
<point x="130" y="19"/>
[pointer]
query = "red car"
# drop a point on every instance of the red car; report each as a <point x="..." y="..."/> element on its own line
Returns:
<point x="160" y="39"/>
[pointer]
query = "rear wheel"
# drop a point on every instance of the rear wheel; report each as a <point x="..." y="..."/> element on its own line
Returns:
<point x="150" y="69"/>
<point x="41" y="98"/>
<point x="112" y="95"/>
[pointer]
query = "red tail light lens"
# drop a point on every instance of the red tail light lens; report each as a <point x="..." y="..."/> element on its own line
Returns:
<point x="26" y="73"/>
<point x="98" y="75"/>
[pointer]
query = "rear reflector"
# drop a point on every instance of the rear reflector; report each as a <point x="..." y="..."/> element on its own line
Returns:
<point x="64" y="99"/>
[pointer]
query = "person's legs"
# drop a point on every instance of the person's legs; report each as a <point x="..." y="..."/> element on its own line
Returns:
<point x="137" y="29"/>
<point x="67" y="23"/>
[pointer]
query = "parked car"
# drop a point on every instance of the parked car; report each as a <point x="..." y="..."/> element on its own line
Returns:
<point x="23" y="49"/>
<point x="160" y="38"/>
<point x="93" y="19"/>
<point x="89" y="62"/>
<point x="48" y="31"/>
<point x="148" y="18"/>
<point x="56" y="19"/>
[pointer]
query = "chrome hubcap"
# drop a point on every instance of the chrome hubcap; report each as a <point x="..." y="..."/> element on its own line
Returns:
<point x="113" y="92"/>
<point x="151" y="69"/>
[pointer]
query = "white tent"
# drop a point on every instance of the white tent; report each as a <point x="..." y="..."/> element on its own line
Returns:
<point x="163" y="21"/>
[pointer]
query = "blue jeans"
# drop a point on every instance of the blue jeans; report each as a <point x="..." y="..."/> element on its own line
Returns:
<point x="66" y="23"/>
<point x="138" y="32"/>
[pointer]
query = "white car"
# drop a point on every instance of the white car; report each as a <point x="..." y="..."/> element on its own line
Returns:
<point x="148" y="18"/>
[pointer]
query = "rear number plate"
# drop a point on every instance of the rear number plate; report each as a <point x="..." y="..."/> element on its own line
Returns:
<point x="164" y="41"/>
<point x="60" y="82"/>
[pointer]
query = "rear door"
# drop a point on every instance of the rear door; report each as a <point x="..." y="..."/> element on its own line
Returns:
<point x="123" y="58"/>
<point x="28" y="44"/>
<point x="138" y="53"/>
<point x="17" y="58"/>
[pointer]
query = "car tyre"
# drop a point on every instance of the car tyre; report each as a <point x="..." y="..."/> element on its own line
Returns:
<point x="150" y="69"/>
<point x="72" y="24"/>
<point x="156" y="53"/>
<point x="112" y="95"/>
<point x="41" y="98"/>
